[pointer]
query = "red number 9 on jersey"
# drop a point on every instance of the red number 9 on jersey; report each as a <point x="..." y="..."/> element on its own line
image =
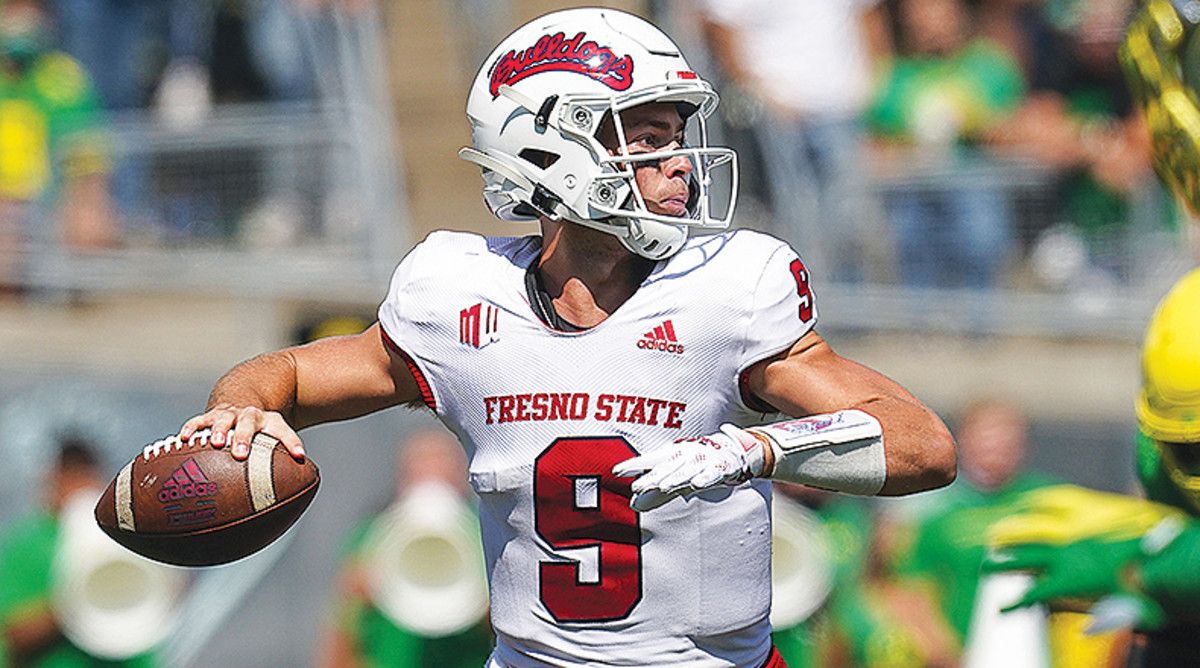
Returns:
<point x="579" y="503"/>
<point x="800" y="273"/>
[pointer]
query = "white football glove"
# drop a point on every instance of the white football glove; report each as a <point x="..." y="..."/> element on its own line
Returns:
<point x="729" y="457"/>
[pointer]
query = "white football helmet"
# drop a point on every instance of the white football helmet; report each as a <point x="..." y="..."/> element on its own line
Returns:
<point x="536" y="106"/>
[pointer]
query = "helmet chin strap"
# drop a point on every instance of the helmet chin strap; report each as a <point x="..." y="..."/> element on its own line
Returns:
<point x="651" y="239"/>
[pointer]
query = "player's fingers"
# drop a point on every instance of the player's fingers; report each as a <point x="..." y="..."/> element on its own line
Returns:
<point x="653" y="478"/>
<point x="650" y="499"/>
<point x="276" y="426"/>
<point x="1031" y="597"/>
<point x="681" y="478"/>
<point x="222" y="421"/>
<point x="642" y="463"/>
<point x="632" y="467"/>
<point x="196" y="423"/>
<point x="708" y="477"/>
<point x="1043" y="591"/>
<point x="249" y="422"/>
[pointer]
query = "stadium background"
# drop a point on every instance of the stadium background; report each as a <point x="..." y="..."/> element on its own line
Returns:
<point x="262" y="220"/>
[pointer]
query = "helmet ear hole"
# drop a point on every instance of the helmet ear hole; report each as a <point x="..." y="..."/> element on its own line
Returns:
<point x="524" y="210"/>
<point x="538" y="158"/>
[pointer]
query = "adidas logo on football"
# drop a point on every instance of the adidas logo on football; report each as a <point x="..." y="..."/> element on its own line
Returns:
<point x="661" y="338"/>
<point x="187" y="482"/>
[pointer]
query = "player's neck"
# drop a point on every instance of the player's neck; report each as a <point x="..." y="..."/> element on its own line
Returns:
<point x="587" y="273"/>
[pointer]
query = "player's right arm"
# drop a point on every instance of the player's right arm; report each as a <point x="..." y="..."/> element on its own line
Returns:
<point x="336" y="378"/>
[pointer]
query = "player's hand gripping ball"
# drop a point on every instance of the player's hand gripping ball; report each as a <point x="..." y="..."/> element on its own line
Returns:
<point x="188" y="504"/>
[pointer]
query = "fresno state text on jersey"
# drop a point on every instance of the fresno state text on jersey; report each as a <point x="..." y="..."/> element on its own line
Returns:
<point x="569" y="406"/>
<point x="575" y="575"/>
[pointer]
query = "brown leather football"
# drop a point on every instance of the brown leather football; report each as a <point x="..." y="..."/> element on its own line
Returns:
<point x="188" y="504"/>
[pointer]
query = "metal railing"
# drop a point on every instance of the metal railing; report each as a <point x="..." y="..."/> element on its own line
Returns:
<point x="338" y="255"/>
<point x="260" y="200"/>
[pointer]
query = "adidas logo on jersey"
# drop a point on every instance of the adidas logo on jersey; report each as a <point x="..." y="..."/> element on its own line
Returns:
<point x="187" y="482"/>
<point x="661" y="338"/>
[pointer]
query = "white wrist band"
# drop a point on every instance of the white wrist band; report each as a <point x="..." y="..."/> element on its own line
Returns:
<point x="840" y="451"/>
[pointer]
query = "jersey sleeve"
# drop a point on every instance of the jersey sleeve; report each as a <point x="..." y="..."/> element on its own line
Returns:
<point x="403" y="319"/>
<point x="782" y="307"/>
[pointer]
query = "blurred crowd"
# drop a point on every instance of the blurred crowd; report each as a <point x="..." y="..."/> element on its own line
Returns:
<point x="71" y="70"/>
<point x="942" y="143"/>
<point x="928" y="143"/>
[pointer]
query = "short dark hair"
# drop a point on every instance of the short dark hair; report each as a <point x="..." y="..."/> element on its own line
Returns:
<point x="76" y="451"/>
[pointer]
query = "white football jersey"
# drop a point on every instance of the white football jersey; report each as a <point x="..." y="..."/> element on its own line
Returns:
<point x="576" y="576"/>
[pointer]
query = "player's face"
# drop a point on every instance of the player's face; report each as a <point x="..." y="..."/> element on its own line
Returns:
<point x="66" y="481"/>
<point x="649" y="128"/>
<point x="992" y="447"/>
<point x="1185" y="455"/>
<point x="1182" y="463"/>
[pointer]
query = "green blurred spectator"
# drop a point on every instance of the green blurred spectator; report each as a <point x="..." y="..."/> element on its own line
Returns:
<point x="951" y="543"/>
<point x="52" y="156"/>
<point x="30" y="635"/>
<point x="943" y="87"/>
<point x="870" y="617"/>
<point x="1081" y="121"/>
<point x="937" y="102"/>
<point x="362" y="634"/>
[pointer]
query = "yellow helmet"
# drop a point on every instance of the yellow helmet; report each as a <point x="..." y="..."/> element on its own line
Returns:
<point x="1161" y="57"/>
<point x="1168" y="408"/>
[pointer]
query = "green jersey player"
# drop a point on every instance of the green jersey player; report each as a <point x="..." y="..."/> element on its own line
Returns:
<point x="1134" y="562"/>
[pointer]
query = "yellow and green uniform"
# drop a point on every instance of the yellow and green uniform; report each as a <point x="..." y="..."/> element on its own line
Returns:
<point x="1133" y="561"/>
<point x="951" y="544"/>
<point x="49" y="127"/>
<point x="1171" y="578"/>
<point x="382" y="644"/>
<point x="1168" y="465"/>
<point x="26" y="554"/>
<point x="1141" y="566"/>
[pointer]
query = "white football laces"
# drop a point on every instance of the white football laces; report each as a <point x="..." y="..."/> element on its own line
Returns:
<point x="174" y="443"/>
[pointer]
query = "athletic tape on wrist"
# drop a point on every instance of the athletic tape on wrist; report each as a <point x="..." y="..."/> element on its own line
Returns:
<point x="840" y="451"/>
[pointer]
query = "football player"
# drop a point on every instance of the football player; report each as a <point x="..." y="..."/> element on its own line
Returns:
<point x="1133" y="562"/>
<point x="596" y="372"/>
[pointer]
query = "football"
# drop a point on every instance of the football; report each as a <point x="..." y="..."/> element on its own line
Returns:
<point x="188" y="504"/>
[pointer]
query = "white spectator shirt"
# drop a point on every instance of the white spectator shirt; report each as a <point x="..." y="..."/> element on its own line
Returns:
<point x="811" y="55"/>
<point x="576" y="577"/>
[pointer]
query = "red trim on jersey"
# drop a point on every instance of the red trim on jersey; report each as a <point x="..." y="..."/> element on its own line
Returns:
<point x="775" y="660"/>
<point x="422" y="383"/>
<point x="752" y="402"/>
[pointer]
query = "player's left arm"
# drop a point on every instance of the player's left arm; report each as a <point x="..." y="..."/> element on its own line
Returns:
<point x="812" y="379"/>
<point x="856" y="431"/>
